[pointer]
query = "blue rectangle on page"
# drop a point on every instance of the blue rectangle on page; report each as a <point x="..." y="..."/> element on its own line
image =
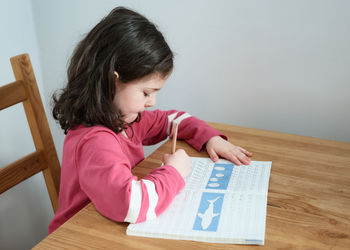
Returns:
<point x="209" y="211"/>
<point x="220" y="176"/>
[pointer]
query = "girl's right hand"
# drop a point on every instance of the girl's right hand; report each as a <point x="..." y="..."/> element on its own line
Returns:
<point x="179" y="160"/>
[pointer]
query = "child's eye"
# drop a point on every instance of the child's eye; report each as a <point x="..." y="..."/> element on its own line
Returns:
<point x="145" y="94"/>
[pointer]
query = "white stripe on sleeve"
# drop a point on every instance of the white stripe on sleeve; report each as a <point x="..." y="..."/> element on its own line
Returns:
<point x="170" y="120"/>
<point x="182" y="117"/>
<point x="152" y="199"/>
<point x="135" y="202"/>
<point x="178" y="120"/>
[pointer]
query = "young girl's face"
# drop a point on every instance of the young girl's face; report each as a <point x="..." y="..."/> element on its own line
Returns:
<point x="134" y="97"/>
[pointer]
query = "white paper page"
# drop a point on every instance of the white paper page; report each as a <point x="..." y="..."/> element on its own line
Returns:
<point x="221" y="202"/>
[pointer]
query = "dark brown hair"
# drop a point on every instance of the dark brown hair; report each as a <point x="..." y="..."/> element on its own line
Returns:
<point x="124" y="41"/>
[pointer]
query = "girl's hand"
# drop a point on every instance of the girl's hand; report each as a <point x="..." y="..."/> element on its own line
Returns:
<point x="217" y="146"/>
<point x="179" y="160"/>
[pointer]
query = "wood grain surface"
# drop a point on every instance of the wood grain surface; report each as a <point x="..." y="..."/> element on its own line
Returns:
<point x="308" y="198"/>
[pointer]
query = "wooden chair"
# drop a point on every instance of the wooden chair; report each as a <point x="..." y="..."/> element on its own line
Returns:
<point x="44" y="159"/>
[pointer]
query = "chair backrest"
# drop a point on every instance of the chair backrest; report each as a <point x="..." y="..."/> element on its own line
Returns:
<point x="44" y="159"/>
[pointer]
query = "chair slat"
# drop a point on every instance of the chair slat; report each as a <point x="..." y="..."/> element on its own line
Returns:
<point x="39" y="126"/>
<point x="20" y="170"/>
<point x="12" y="94"/>
<point x="45" y="159"/>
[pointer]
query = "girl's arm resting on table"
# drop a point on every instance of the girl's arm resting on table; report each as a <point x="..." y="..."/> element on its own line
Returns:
<point x="105" y="176"/>
<point x="159" y="124"/>
<point x="216" y="146"/>
<point x="196" y="133"/>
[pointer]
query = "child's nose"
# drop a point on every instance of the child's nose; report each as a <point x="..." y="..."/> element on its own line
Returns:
<point x="151" y="101"/>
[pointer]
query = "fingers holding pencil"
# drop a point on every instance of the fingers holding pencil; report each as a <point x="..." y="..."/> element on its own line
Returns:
<point x="178" y="158"/>
<point x="180" y="161"/>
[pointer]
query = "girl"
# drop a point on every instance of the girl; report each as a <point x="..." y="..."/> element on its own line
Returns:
<point x="114" y="75"/>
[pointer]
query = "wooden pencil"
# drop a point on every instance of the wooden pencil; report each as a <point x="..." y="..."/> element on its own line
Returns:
<point x="173" y="147"/>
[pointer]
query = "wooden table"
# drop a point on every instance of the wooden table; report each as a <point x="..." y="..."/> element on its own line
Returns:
<point x="308" y="199"/>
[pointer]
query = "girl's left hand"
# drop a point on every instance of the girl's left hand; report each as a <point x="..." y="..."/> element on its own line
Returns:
<point x="217" y="146"/>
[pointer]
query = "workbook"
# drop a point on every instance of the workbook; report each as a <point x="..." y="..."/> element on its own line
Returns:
<point x="220" y="203"/>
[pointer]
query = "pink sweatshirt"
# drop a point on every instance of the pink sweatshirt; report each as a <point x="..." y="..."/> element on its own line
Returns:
<point x="97" y="163"/>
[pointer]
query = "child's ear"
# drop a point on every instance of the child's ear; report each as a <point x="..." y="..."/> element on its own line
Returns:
<point x="116" y="74"/>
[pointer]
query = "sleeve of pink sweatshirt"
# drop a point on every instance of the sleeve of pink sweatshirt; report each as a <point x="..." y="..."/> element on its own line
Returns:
<point x="191" y="129"/>
<point x="105" y="176"/>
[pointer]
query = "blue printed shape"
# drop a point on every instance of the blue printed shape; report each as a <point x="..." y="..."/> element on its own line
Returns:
<point x="220" y="176"/>
<point x="209" y="211"/>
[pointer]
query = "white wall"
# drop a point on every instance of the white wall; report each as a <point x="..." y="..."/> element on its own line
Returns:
<point x="274" y="65"/>
<point x="25" y="210"/>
